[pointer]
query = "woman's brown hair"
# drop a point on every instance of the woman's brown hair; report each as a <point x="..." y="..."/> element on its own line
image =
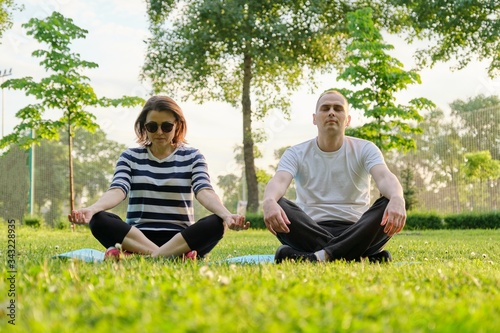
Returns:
<point x="161" y="103"/>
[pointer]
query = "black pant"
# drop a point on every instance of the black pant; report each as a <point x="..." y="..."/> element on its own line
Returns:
<point x="202" y="236"/>
<point x="339" y="239"/>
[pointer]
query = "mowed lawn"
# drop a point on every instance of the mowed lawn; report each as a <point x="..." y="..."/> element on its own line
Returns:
<point x="440" y="281"/>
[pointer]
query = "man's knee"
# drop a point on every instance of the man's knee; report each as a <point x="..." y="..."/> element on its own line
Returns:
<point x="285" y="203"/>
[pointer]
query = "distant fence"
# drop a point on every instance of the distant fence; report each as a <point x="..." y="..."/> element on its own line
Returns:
<point x="456" y="167"/>
<point x="449" y="172"/>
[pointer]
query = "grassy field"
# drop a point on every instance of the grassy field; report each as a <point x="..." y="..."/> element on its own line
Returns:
<point x="440" y="281"/>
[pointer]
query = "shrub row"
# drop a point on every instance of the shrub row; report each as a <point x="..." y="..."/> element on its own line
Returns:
<point x="414" y="221"/>
<point x="424" y="221"/>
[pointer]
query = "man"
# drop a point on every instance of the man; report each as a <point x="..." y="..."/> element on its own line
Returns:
<point x="332" y="219"/>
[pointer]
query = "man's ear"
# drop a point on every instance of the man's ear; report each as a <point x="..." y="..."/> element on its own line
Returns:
<point x="348" y="120"/>
<point x="314" y="118"/>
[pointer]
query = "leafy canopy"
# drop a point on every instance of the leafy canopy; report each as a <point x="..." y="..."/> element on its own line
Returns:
<point x="380" y="76"/>
<point x="459" y="30"/>
<point x="66" y="88"/>
<point x="199" y="49"/>
<point x="6" y="9"/>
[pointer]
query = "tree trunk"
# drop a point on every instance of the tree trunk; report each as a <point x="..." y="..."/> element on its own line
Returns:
<point x="250" y="175"/>
<point x="70" y="159"/>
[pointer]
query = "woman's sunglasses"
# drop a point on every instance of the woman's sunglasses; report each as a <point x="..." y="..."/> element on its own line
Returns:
<point x="152" y="127"/>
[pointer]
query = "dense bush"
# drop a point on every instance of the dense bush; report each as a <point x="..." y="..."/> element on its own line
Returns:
<point x="34" y="221"/>
<point x="425" y="221"/>
<point x="62" y="223"/>
<point x="422" y="221"/>
<point x="473" y="221"/>
<point x="256" y="221"/>
<point x="414" y="221"/>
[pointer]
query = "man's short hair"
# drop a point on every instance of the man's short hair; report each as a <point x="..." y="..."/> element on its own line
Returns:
<point x="331" y="91"/>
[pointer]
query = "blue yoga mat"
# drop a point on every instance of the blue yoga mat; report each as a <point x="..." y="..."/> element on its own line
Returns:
<point x="91" y="255"/>
<point x="251" y="259"/>
<point x="87" y="255"/>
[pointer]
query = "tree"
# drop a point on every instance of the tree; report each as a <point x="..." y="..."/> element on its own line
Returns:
<point x="234" y="185"/>
<point x="410" y="191"/>
<point x="461" y="30"/>
<point x="257" y="52"/>
<point x="230" y="184"/>
<point x="434" y="167"/>
<point x="51" y="180"/>
<point x="15" y="184"/>
<point x="67" y="89"/>
<point x="480" y="167"/>
<point x="6" y="6"/>
<point x="481" y="123"/>
<point x="94" y="163"/>
<point x="380" y="76"/>
<point x="248" y="53"/>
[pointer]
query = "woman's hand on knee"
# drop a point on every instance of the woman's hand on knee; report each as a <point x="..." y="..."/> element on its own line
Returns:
<point x="81" y="216"/>
<point x="236" y="222"/>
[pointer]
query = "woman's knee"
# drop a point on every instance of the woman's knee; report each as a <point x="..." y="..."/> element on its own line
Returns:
<point x="102" y="220"/>
<point x="207" y="230"/>
<point x="213" y="223"/>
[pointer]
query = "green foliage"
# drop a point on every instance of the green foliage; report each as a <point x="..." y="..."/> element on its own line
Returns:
<point x="410" y="191"/>
<point x="256" y="220"/>
<point x="234" y="186"/>
<point x="479" y="119"/>
<point x="94" y="163"/>
<point x="473" y="104"/>
<point x="380" y="77"/>
<point x="424" y="221"/>
<point x="473" y="221"/>
<point x="231" y="186"/>
<point x="460" y="30"/>
<point x="202" y="50"/>
<point x="14" y="178"/>
<point x="440" y="281"/>
<point x="248" y="53"/>
<point x="62" y="223"/>
<point x="34" y="221"/>
<point x="440" y="165"/>
<point x="6" y="9"/>
<point x="480" y="166"/>
<point x="66" y="89"/>
<point x="223" y="50"/>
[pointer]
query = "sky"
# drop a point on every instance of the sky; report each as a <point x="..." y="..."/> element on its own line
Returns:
<point x="117" y="30"/>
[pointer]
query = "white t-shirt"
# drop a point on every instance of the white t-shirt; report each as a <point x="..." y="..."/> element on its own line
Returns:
<point x="332" y="185"/>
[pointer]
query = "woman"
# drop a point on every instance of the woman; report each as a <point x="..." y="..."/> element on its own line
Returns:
<point x="160" y="178"/>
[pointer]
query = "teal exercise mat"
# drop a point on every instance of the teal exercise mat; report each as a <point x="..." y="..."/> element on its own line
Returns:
<point x="250" y="259"/>
<point x="87" y="255"/>
<point x="91" y="255"/>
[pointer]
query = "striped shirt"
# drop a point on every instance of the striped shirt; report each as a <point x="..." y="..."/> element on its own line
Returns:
<point x="161" y="190"/>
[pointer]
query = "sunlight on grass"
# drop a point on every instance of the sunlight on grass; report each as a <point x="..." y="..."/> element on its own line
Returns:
<point x="440" y="281"/>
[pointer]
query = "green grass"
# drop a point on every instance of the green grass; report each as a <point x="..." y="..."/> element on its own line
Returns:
<point x="440" y="281"/>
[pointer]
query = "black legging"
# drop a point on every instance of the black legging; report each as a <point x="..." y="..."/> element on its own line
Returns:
<point x="340" y="240"/>
<point x="202" y="236"/>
